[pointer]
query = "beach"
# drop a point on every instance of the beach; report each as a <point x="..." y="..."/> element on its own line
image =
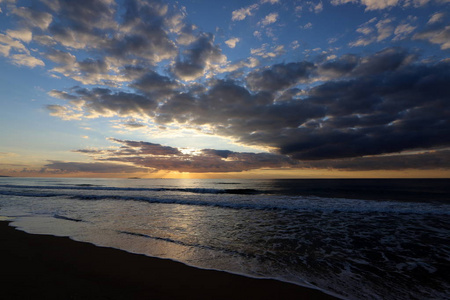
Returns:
<point x="43" y="266"/>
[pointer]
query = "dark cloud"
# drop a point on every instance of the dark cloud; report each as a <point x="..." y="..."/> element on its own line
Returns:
<point x="133" y="125"/>
<point x="159" y="157"/>
<point x="33" y="17"/>
<point x="144" y="148"/>
<point x="398" y="111"/>
<point x="115" y="39"/>
<point x="353" y="66"/>
<point x="153" y="83"/>
<point x="279" y="76"/>
<point x="106" y="102"/>
<point x="193" y="61"/>
<point x="208" y="163"/>
<point x="83" y="24"/>
<point x="95" y="167"/>
<point x="387" y="102"/>
<point x="419" y="161"/>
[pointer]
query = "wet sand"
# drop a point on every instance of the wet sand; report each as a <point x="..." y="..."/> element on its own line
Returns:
<point x="47" y="267"/>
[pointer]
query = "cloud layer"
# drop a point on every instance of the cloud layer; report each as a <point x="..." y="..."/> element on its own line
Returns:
<point x="144" y="61"/>
<point x="383" y="103"/>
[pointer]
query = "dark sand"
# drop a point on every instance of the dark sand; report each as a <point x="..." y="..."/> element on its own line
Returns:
<point x="47" y="267"/>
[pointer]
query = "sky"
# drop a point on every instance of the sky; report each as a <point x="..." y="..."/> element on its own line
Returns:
<point x="225" y="89"/>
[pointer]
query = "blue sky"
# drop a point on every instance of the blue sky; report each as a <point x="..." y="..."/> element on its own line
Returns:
<point x="333" y="88"/>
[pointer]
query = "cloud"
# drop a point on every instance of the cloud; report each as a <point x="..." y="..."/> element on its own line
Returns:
<point x="278" y="77"/>
<point x="308" y="25"/>
<point x="242" y="13"/>
<point x="386" y="4"/>
<point x="153" y="83"/>
<point x="105" y="102"/>
<point x="382" y="103"/>
<point x="144" y="148"/>
<point x="144" y="63"/>
<point x="418" y="161"/>
<point x="26" y="60"/>
<point x="265" y="53"/>
<point x="403" y="30"/>
<point x="269" y="19"/>
<point x="384" y="28"/>
<point x="23" y="34"/>
<point x="64" y="112"/>
<point x="138" y="31"/>
<point x="196" y="60"/>
<point x="7" y="154"/>
<point x="436" y="18"/>
<point x="370" y="4"/>
<point x="232" y="42"/>
<point x="373" y="31"/>
<point x="270" y="1"/>
<point x="7" y="44"/>
<point x="158" y="157"/>
<point x="33" y="18"/>
<point x="133" y="124"/>
<point x="316" y="7"/>
<point x="94" y="167"/>
<point x="436" y="34"/>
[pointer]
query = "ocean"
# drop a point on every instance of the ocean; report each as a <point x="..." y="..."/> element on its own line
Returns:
<point x="355" y="239"/>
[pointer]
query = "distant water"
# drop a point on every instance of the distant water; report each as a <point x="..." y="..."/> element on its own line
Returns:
<point x="360" y="239"/>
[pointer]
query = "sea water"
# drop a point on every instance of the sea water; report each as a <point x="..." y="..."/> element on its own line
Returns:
<point x="358" y="239"/>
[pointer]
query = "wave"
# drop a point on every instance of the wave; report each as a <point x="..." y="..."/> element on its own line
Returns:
<point x="67" y="218"/>
<point x="236" y="199"/>
<point x="194" y="245"/>
<point x="100" y="188"/>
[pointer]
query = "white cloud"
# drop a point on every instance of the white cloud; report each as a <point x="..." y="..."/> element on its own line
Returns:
<point x="250" y="63"/>
<point x="370" y="4"/>
<point x="340" y="2"/>
<point x="402" y="31"/>
<point x="416" y="3"/>
<point x="265" y="53"/>
<point x="7" y="44"/>
<point x="242" y="13"/>
<point x="64" y="112"/>
<point x="379" y="4"/>
<point x="385" y="4"/>
<point x="437" y="17"/>
<point x="232" y="42"/>
<point x="365" y="30"/>
<point x="440" y="36"/>
<point x="24" y="34"/>
<point x="269" y="19"/>
<point x="384" y="29"/>
<point x="364" y="41"/>
<point x="26" y="60"/>
<point x="308" y="25"/>
<point x="317" y="7"/>
<point x="270" y="1"/>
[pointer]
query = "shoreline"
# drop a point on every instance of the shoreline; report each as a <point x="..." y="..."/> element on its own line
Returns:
<point x="36" y="266"/>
